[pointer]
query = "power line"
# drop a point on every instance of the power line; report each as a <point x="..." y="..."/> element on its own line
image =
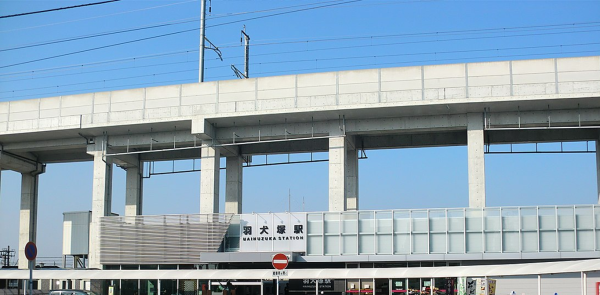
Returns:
<point x="170" y="34"/>
<point x="160" y="25"/>
<point x="154" y="26"/>
<point x="343" y="58"/>
<point x="95" y="17"/>
<point x="591" y="24"/>
<point x="435" y="33"/>
<point x="60" y="8"/>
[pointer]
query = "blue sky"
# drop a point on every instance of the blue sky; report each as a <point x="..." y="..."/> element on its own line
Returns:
<point x="353" y="35"/>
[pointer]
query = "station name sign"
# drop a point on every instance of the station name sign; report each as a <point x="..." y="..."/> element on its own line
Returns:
<point x="275" y="232"/>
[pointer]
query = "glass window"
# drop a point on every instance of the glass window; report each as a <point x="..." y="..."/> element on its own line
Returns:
<point x="366" y="222"/>
<point x="332" y="223"/>
<point x="402" y="244"/>
<point x="584" y="217"/>
<point x="384" y="244"/>
<point x="315" y="245"/>
<point x="473" y="220"/>
<point x="402" y="221"/>
<point x="437" y="243"/>
<point x="332" y="245"/>
<point x="350" y="223"/>
<point x="474" y="243"/>
<point x="456" y="243"/>
<point x="510" y="242"/>
<point x="456" y="220"/>
<point x="529" y="219"/>
<point x="399" y="286"/>
<point x="437" y="221"/>
<point x="548" y="241"/>
<point x="547" y="218"/>
<point x="366" y="244"/>
<point x="565" y="218"/>
<point x="420" y="222"/>
<point x="530" y="241"/>
<point x="314" y="223"/>
<point x="420" y="244"/>
<point x="384" y="222"/>
<point x="349" y="245"/>
<point x="510" y="219"/>
<point x="492" y="219"/>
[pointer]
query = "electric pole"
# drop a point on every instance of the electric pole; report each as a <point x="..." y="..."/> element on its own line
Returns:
<point x="238" y="73"/>
<point x="6" y="254"/>
<point x="202" y="29"/>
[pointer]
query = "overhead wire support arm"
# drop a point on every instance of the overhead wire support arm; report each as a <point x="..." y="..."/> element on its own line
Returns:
<point x="214" y="48"/>
<point x="238" y="73"/>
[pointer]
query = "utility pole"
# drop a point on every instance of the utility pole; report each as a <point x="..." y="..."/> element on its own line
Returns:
<point x="6" y="254"/>
<point x="289" y="200"/>
<point x="202" y="37"/>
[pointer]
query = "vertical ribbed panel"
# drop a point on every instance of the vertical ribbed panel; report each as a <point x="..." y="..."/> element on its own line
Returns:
<point x="160" y="239"/>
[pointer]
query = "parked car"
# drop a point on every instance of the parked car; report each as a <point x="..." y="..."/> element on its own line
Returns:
<point x="71" y="292"/>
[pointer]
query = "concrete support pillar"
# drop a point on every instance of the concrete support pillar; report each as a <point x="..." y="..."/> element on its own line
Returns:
<point x="233" y="186"/>
<point x="343" y="174"/>
<point x="598" y="167"/>
<point x="28" y="215"/>
<point x="476" y="160"/>
<point x="101" y="204"/>
<point x="209" y="179"/>
<point x="133" y="191"/>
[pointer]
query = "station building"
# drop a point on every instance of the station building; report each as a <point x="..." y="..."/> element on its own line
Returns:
<point x="526" y="250"/>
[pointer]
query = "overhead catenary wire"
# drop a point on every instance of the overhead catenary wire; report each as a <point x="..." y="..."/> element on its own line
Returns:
<point x="436" y="33"/>
<point x="96" y="17"/>
<point x="139" y="28"/>
<point x="172" y="33"/>
<point x="321" y="49"/>
<point x="59" y="8"/>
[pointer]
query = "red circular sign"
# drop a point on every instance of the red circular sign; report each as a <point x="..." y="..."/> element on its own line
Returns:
<point x="280" y="261"/>
<point x="30" y="251"/>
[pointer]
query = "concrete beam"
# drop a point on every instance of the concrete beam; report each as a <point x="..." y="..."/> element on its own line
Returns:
<point x="233" y="186"/>
<point x="9" y="161"/>
<point x="476" y="160"/>
<point x="209" y="179"/>
<point x="430" y="139"/>
<point x="28" y="214"/>
<point x="354" y="127"/>
<point x="540" y="135"/>
<point x="545" y="118"/>
<point x="203" y="129"/>
<point x="144" y="140"/>
<point x="43" y="145"/>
